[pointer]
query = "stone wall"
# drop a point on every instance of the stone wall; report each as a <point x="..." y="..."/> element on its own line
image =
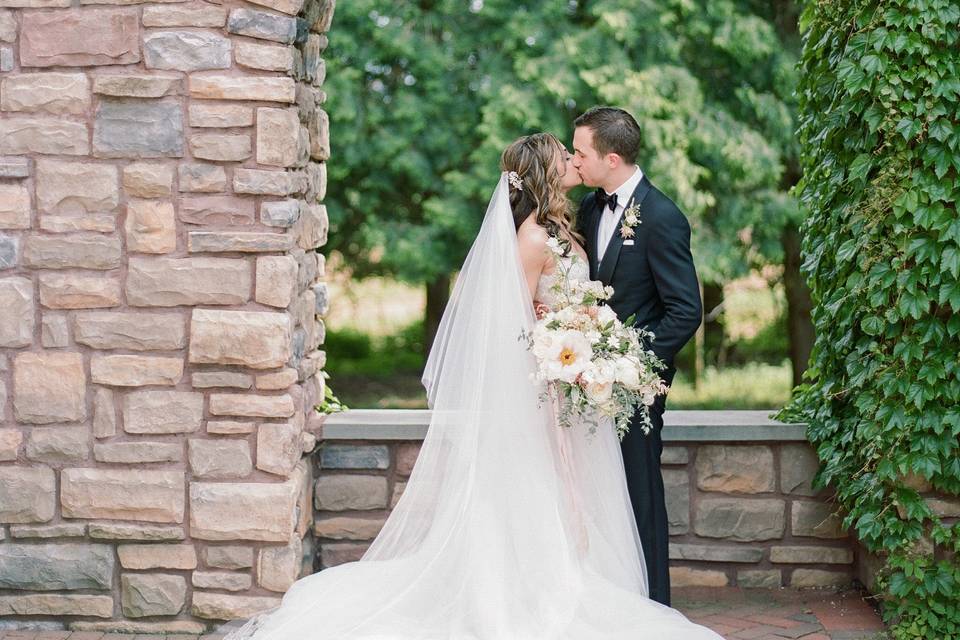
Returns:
<point x="161" y="173"/>
<point x="741" y="508"/>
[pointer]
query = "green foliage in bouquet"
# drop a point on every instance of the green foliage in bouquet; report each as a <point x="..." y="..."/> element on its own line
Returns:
<point x="879" y="99"/>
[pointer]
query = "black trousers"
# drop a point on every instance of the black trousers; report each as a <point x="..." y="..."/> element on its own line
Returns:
<point x="641" y="461"/>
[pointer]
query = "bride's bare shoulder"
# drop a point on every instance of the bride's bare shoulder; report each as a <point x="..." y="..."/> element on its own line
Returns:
<point x="532" y="235"/>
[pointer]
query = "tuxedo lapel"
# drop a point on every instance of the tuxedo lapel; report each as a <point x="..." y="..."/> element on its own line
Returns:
<point x="605" y="269"/>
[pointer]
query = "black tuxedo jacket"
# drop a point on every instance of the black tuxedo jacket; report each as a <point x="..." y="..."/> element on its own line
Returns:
<point x="654" y="277"/>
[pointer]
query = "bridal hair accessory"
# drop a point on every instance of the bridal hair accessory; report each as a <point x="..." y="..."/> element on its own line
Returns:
<point x="515" y="180"/>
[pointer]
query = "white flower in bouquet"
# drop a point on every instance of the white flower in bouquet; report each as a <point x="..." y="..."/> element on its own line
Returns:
<point x="628" y="373"/>
<point x="568" y="357"/>
<point x="599" y="392"/>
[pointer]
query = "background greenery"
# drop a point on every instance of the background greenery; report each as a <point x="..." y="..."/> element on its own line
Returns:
<point x="879" y="136"/>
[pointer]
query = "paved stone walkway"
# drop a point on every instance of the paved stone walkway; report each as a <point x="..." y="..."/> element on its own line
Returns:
<point x="736" y="614"/>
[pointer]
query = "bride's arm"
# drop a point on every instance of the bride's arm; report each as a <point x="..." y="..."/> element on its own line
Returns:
<point x="534" y="253"/>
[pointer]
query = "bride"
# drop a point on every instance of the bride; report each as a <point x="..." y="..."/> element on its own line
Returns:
<point x="511" y="527"/>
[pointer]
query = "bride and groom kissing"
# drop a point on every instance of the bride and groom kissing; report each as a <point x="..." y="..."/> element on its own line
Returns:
<point x="511" y="527"/>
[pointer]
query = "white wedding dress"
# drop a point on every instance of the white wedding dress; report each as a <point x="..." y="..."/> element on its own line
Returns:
<point x="510" y="527"/>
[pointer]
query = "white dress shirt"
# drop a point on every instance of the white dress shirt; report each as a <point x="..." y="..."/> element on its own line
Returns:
<point x="608" y="218"/>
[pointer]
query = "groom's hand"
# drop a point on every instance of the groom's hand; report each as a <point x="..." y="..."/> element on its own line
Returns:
<point x="540" y="309"/>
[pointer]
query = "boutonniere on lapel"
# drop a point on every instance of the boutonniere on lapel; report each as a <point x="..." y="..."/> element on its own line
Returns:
<point x="631" y="218"/>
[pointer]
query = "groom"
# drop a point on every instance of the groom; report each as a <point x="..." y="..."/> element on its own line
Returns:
<point x="652" y="274"/>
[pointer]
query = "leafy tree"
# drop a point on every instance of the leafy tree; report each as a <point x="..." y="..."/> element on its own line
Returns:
<point x="424" y="96"/>
<point x="881" y="178"/>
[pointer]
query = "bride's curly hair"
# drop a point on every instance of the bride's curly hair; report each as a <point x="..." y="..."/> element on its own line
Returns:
<point x="534" y="158"/>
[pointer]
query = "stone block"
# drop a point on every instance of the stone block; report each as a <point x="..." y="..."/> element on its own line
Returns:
<point x="735" y="468"/>
<point x="217" y="210"/>
<point x="157" y="594"/>
<point x="278" y="137"/>
<point x="167" y="282"/>
<point x="228" y="557"/>
<point x="9" y="251"/>
<point x="220" y="115"/>
<point x="260" y="340"/>
<point x="122" y="494"/>
<point x="71" y="222"/>
<point x="215" y="379"/>
<point x="337" y="553"/>
<point x="279" y="567"/>
<point x="10" y="440"/>
<point x="798" y="465"/>
<point x="198" y="177"/>
<point x="311" y="227"/>
<point x="185" y="15"/>
<point x="674" y="455"/>
<point x="349" y="456"/>
<point x="75" y="291"/>
<point x="135" y="371"/>
<point x="246" y="405"/>
<point x="186" y="50"/>
<point x="139" y="452"/>
<point x="223" y="580"/>
<point x="58" y="445"/>
<point x="237" y="241"/>
<point x="50" y="604"/>
<point x="350" y="492"/>
<point x="230" y="427"/>
<point x="220" y="458"/>
<point x="800" y="578"/>
<point x="689" y="577"/>
<point x="65" y="530"/>
<point x="14" y="167"/>
<point x="76" y="186"/>
<point x="136" y="85"/>
<point x="276" y="280"/>
<point x="318" y="130"/>
<point x="151" y="226"/>
<point x="104" y="414"/>
<point x="130" y="331"/>
<point x="221" y="147"/>
<point x="282" y="213"/>
<point x="278" y="448"/>
<point x="17" y="321"/>
<point x="157" y="556"/>
<point x="243" y="511"/>
<point x="277" y="381"/>
<point x="348" y="527"/>
<point x="49" y="387"/>
<point x="54" y="331"/>
<point x="398" y="489"/>
<point x="162" y="411"/>
<point x="49" y="92"/>
<point x="265" y="182"/>
<point x="760" y="578"/>
<point x="222" y="606"/>
<point x="62" y="38"/>
<point x="129" y="128"/>
<point x="291" y="7"/>
<point x="740" y="520"/>
<point x="816" y="520"/>
<point x="811" y="555"/>
<point x="14" y="206"/>
<point x="127" y="628"/>
<point x="269" y="57"/>
<point x="126" y="531"/>
<point x="56" y="566"/>
<point x="676" y="484"/>
<point x="80" y="250"/>
<point x="27" y="494"/>
<point x="262" y="24"/>
<point x="266" y="88"/>
<point x="715" y="553"/>
<point x="43" y="134"/>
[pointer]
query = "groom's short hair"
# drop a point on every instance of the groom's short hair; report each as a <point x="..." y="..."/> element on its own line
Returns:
<point x="614" y="131"/>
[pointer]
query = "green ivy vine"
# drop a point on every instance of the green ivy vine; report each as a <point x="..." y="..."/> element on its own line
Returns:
<point x="879" y="98"/>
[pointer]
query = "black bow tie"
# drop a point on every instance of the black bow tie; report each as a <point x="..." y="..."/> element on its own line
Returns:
<point x="604" y="200"/>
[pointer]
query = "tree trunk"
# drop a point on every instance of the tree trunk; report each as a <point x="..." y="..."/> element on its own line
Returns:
<point x="799" y="324"/>
<point x="438" y="293"/>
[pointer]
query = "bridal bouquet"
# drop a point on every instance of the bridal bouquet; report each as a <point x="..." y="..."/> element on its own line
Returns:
<point x="593" y="364"/>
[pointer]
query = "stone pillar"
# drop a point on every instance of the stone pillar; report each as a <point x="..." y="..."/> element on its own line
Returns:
<point x="161" y="178"/>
